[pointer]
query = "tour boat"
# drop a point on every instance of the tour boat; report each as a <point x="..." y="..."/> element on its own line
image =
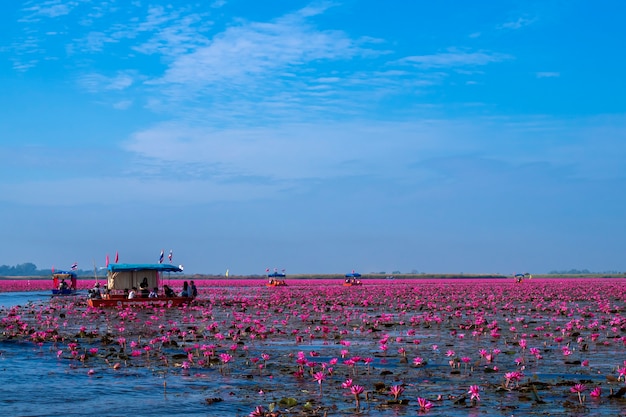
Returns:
<point x="60" y="284"/>
<point x="121" y="278"/>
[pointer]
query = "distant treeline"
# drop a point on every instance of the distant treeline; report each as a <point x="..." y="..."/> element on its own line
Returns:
<point x="582" y="272"/>
<point x="29" y="269"/>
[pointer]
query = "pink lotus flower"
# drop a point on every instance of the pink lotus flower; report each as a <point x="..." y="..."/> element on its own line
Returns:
<point x="424" y="404"/>
<point x="259" y="411"/>
<point x="474" y="391"/>
<point x="418" y="361"/>
<point x="356" y="390"/>
<point x="396" y="391"/>
<point x="579" y="389"/>
<point x="596" y="392"/>
<point x="319" y="377"/>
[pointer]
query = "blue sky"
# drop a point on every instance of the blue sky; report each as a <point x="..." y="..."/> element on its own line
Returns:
<point x="318" y="137"/>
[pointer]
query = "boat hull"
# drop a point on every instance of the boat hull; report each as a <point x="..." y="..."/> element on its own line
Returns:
<point x="68" y="291"/>
<point x="345" y="284"/>
<point x="138" y="302"/>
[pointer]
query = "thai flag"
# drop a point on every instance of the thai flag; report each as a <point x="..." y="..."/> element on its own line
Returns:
<point x="170" y="256"/>
<point x="161" y="256"/>
<point x="267" y="270"/>
<point x="74" y="266"/>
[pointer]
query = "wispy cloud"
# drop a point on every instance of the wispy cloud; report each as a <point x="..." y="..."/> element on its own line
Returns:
<point x="50" y="9"/>
<point x="517" y="24"/>
<point x="97" y="82"/>
<point x="454" y="58"/>
<point x="548" y="74"/>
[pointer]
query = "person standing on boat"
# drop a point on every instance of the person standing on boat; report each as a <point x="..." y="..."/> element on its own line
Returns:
<point x="145" y="292"/>
<point x="193" y="289"/>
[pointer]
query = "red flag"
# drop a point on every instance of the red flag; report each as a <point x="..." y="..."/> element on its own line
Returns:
<point x="117" y="257"/>
<point x="107" y="261"/>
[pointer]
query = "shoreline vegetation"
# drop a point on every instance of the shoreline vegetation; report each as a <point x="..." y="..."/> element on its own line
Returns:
<point x="424" y="276"/>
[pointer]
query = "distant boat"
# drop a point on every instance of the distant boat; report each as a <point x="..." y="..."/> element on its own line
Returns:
<point x="276" y="279"/>
<point x="520" y="277"/>
<point x="352" y="279"/>
<point x="59" y="284"/>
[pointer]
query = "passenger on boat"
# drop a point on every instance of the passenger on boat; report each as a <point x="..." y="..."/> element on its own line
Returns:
<point x="193" y="289"/>
<point x="95" y="293"/>
<point x="154" y="293"/>
<point x="132" y="293"/>
<point x="186" y="292"/>
<point x="168" y="291"/>
<point x="63" y="285"/>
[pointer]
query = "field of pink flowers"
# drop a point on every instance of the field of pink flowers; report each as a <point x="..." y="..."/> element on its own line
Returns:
<point x="387" y="348"/>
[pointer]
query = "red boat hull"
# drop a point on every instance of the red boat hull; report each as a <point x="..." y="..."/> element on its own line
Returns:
<point x="141" y="302"/>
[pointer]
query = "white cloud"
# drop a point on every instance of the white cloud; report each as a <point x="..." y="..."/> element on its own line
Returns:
<point x="253" y="49"/>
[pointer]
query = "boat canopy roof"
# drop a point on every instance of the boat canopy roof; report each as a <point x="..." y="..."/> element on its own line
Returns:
<point x="276" y="275"/>
<point x="353" y="275"/>
<point x="144" y="267"/>
<point x="63" y="274"/>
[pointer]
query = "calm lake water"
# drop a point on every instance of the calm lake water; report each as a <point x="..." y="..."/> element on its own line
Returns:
<point x="36" y="380"/>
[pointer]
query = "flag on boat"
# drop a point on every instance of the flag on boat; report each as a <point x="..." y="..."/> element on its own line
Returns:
<point x="170" y="256"/>
<point x="107" y="261"/>
<point x="74" y="266"/>
<point x="117" y="257"/>
<point x="161" y="256"/>
<point x="267" y="270"/>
